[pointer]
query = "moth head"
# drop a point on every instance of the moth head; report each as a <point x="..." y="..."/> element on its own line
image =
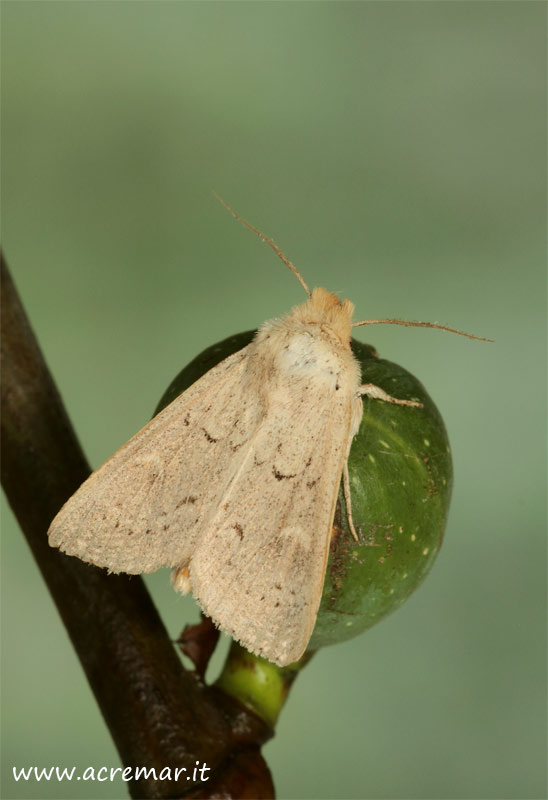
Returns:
<point x="325" y="308"/>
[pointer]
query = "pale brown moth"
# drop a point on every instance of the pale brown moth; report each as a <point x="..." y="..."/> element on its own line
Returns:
<point x="234" y="484"/>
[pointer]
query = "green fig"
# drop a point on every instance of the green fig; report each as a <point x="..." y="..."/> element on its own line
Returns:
<point x="400" y="478"/>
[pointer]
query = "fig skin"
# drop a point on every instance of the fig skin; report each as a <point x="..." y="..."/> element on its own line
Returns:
<point x="400" y="478"/>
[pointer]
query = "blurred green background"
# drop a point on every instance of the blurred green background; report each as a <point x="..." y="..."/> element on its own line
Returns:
<point x="396" y="152"/>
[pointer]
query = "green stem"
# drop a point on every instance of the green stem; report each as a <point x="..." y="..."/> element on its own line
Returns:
<point x="257" y="683"/>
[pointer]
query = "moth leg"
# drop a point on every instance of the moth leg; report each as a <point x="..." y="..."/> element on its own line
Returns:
<point x="379" y="394"/>
<point x="347" y="500"/>
<point x="180" y="578"/>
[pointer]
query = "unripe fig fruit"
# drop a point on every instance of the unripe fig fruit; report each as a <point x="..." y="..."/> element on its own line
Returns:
<point x="400" y="478"/>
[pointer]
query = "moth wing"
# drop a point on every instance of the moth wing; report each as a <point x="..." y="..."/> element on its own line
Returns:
<point x="146" y="506"/>
<point x="259" y="568"/>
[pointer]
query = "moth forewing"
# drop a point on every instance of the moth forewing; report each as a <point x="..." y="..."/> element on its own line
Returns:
<point x="259" y="568"/>
<point x="146" y="506"/>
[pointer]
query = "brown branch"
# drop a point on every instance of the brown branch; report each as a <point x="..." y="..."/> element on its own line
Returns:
<point x="159" y="714"/>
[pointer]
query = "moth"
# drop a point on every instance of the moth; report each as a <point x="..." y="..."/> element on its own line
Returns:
<point x="234" y="484"/>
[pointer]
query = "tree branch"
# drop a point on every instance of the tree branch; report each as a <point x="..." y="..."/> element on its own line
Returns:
<point x="159" y="714"/>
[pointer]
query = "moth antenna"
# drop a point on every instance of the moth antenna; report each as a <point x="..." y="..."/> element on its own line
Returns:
<point x="268" y="241"/>
<point x="419" y="325"/>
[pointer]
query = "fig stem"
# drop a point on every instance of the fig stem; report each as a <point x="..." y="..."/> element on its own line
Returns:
<point x="258" y="684"/>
